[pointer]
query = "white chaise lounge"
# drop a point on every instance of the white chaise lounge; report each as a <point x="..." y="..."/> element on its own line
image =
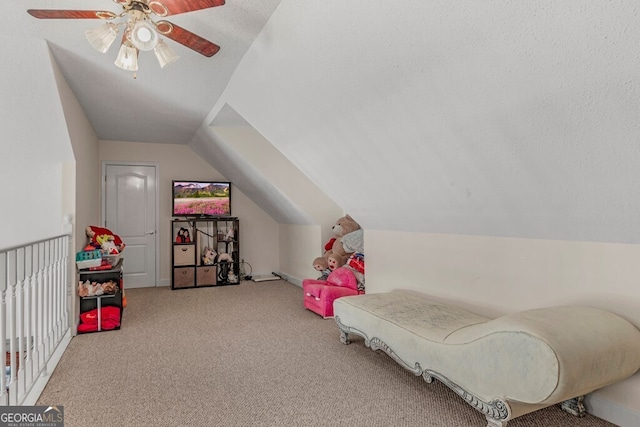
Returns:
<point x="505" y="367"/>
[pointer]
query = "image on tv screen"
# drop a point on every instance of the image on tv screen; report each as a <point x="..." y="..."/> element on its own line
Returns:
<point x="199" y="198"/>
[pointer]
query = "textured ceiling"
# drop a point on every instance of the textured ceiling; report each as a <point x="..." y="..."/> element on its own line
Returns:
<point x="160" y="105"/>
<point x="514" y="119"/>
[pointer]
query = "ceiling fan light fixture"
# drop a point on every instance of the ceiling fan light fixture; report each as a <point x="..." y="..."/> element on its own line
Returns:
<point x="102" y="38"/>
<point x="141" y="31"/>
<point x="165" y="54"/>
<point x="143" y="35"/>
<point x="127" y="58"/>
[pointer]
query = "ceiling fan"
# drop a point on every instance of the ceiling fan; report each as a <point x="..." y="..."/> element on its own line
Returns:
<point x="141" y="32"/>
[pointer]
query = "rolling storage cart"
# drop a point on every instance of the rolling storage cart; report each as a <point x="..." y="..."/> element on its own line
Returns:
<point x="89" y="303"/>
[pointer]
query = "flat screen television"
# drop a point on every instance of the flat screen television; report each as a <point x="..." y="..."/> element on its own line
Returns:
<point x="201" y="198"/>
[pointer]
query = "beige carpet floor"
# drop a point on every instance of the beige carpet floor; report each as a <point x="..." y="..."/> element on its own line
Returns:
<point x="247" y="355"/>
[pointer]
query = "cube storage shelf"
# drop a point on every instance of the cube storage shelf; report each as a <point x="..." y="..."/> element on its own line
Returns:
<point x="191" y="239"/>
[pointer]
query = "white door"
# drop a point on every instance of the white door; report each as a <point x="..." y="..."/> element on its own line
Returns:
<point x="130" y="212"/>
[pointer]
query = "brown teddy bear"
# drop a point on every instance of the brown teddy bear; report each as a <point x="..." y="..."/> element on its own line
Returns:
<point x="349" y="244"/>
<point x="335" y="260"/>
<point x="344" y="225"/>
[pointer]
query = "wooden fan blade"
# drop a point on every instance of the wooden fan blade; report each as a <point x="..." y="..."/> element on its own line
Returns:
<point x="174" y="7"/>
<point x="187" y="38"/>
<point x="71" y="14"/>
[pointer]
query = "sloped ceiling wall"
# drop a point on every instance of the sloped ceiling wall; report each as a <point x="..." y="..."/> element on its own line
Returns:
<point x="491" y="118"/>
<point x="34" y="144"/>
<point x="243" y="174"/>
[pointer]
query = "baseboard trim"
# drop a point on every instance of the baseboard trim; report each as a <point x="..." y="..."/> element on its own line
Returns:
<point x="611" y="411"/>
<point x="289" y="278"/>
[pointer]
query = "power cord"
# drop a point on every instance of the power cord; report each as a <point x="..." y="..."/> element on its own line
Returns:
<point x="243" y="271"/>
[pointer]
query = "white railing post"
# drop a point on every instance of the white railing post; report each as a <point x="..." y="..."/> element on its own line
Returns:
<point x="4" y="396"/>
<point x="11" y="281"/>
<point x="57" y="301"/>
<point x="28" y="313"/>
<point x="42" y="309"/>
<point x="20" y="269"/>
<point x="37" y="310"/>
<point x="46" y="331"/>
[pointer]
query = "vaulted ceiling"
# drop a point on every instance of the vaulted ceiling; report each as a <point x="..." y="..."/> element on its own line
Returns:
<point x="485" y="118"/>
<point x="159" y="105"/>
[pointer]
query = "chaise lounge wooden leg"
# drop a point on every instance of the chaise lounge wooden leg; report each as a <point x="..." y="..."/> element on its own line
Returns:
<point x="344" y="338"/>
<point x="574" y="406"/>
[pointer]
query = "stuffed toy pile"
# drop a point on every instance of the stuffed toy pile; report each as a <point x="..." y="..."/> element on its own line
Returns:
<point x="103" y="239"/>
<point x="344" y="250"/>
<point x="211" y="257"/>
<point x="90" y="289"/>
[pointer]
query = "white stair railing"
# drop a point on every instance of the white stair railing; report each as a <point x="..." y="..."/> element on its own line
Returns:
<point x="34" y="316"/>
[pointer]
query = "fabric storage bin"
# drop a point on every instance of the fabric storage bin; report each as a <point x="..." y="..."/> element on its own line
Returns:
<point x="206" y="275"/>
<point x="183" y="277"/>
<point x="184" y="254"/>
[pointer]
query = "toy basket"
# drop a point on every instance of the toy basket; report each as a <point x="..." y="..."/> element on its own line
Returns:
<point x="88" y="259"/>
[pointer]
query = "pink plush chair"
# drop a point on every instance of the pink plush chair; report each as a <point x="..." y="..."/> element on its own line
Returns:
<point x="320" y="294"/>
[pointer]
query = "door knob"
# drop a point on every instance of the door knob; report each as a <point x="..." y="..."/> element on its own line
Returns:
<point x="150" y="232"/>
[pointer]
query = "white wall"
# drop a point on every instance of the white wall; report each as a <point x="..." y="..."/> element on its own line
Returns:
<point x="33" y="147"/>
<point x="299" y="246"/>
<point x="81" y="194"/>
<point x="493" y="276"/>
<point x="258" y="234"/>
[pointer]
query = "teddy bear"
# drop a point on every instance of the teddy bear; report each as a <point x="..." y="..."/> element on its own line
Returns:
<point x="343" y="225"/>
<point x="335" y="260"/>
<point x="350" y="243"/>
<point x="322" y="265"/>
<point x="223" y="256"/>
